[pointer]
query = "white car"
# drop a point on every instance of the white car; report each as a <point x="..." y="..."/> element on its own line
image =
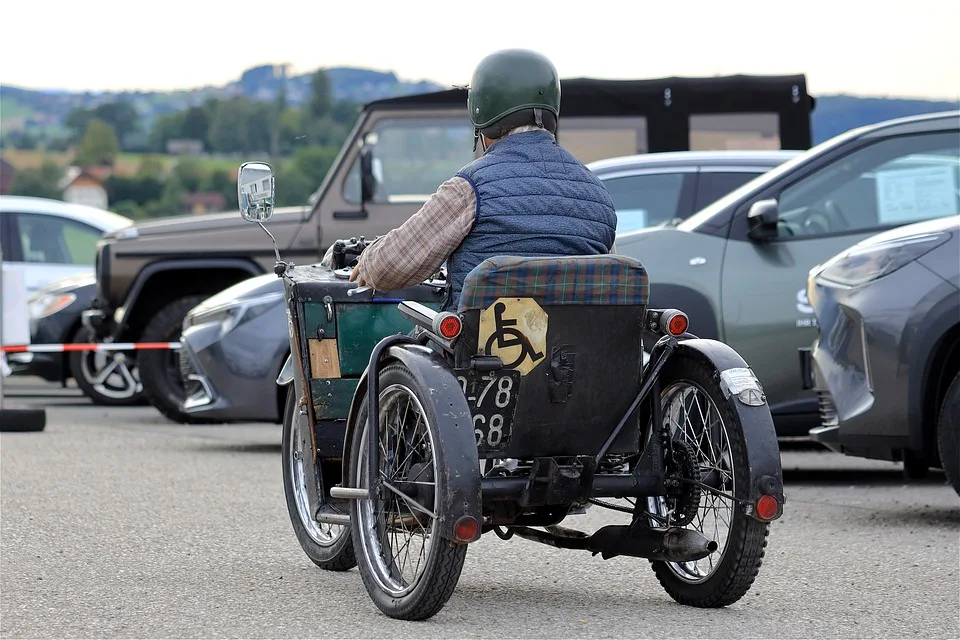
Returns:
<point x="49" y="240"/>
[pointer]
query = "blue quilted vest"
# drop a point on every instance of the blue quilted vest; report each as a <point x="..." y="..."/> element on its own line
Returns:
<point x="534" y="198"/>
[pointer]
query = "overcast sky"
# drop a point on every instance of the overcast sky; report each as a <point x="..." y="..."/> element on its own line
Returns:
<point x="879" y="47"/>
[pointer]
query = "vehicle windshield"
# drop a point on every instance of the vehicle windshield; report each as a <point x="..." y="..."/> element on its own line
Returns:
<point x="698" y="218"/>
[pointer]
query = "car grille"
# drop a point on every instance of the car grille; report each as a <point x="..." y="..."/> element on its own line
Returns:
<point x="828" y="410"/>
<point x="190" y="385"/>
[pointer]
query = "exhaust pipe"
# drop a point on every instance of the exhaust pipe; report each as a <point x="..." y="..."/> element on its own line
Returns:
<point x="669" y="545"/>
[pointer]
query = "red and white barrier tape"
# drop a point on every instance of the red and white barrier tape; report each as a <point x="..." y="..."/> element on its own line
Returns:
<point x="88" y="346"/>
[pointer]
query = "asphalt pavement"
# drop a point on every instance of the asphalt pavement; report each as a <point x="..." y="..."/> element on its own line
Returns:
<point x="115" y="522"/>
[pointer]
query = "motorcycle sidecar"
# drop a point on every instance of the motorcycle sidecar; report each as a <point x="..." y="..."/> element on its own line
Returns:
<point x="332" y="332"/>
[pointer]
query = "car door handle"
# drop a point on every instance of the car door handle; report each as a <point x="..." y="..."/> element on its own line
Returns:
<point x="350" y="215"/>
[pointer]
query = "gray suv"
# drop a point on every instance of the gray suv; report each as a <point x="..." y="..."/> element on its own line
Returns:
<point x="739" y="266"/>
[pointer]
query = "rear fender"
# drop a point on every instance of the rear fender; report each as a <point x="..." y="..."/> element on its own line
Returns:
<point x="456" y="451"/>
<point x="763" y="450"/>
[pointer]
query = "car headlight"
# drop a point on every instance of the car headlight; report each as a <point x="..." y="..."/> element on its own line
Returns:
<point x="862" y="264"/>
<point x="234" y="313"/>
<point x="50" y="303"/>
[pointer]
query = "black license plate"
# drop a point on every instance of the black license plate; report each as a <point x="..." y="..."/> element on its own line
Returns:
<point x="492" y="397"/>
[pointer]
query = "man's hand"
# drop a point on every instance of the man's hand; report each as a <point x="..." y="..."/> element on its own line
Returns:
<point x="355" y="276"/>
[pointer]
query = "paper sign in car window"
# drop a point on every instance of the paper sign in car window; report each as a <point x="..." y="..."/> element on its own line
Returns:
<point x="631" y="219"/>
<point x="909" y="195"/>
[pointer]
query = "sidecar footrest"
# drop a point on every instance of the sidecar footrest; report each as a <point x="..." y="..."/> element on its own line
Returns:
<point x="332" y="518"/>
<point x="348" y="493"/>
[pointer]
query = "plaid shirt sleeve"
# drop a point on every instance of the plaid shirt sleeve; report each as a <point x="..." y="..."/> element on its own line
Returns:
<point x="414" y="251"/>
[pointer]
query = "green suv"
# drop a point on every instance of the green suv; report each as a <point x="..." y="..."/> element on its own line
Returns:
<point x="739" y="267"/>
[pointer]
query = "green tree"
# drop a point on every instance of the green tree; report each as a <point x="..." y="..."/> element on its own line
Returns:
<point x="165" y="128"/>
<point x="321" y="95"/>
<point x="190" y="173"/>
<point x="151" y="167"/>
<point x="122" y="116"/>
<point x="261" y="122"/>
<point x="345" y="112"/>
<point x="171" y="200"/>
<point x="230" y="128"/>
<point x="291" y="133"/>
<point x="326" y="132"/>
<point x="76" y="122"/>
<point x="43" y="182"/>
<point x="140" y="189"/>
<point x="219" y="180"/>
<point x="196" y="124"/>
<point x="293" y="187"/>
<point x="99" y="145"/>
<point x="314" y="162"/>
<point x="129" y="208"/>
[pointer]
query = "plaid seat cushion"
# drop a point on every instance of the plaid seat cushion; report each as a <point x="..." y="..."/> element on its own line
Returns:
<point x="604" y="279"/>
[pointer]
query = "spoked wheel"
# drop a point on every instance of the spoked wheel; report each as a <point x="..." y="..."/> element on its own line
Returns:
<point x="330" y="546"/>
<point x="408" y="569"/>
<point x="696" y="412"/>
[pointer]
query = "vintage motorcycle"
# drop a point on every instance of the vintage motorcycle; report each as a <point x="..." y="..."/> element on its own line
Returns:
<point x="528" y="405"/>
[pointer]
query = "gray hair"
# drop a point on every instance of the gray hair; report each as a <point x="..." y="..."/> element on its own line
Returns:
<point x="525" y="128"/>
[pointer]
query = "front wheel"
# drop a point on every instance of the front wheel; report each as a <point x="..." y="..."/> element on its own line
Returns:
<point x="698" y="414"/>
<point x="329" y="546"/>
<point x="408" y="569"/>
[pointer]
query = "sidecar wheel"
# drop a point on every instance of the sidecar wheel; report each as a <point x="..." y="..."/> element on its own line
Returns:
<point x="696" y="411"/>
<point x="408" y="569"/>
<point x="329" y="546"/>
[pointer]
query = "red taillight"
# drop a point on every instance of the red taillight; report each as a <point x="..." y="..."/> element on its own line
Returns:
<point x="678" y="325"/>
<point x="675" y="322"/>
<point x="767" y="507"/>
<point x="449" y="327"/>
<point x="466" y="529"/>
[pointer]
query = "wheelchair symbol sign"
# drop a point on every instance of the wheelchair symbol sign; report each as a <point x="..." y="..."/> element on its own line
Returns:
<point x="516" y="330"/>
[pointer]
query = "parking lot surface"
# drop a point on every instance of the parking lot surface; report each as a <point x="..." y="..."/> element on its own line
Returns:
<point x="119" y="523"/>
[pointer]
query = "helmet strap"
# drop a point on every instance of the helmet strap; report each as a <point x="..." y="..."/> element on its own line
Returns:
<point x="538" y="117"/>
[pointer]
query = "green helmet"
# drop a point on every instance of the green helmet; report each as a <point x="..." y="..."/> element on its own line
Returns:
<point x="513" y="82"/>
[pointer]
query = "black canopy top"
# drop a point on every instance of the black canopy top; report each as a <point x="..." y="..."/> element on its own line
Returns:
<point x="597" y="97"/>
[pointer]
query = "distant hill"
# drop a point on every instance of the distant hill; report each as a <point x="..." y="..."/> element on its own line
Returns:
<point x="835" y="114"/>
<point x="26" y="108"/>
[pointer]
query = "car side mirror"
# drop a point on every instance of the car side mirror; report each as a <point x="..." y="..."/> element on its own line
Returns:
<point x="762" y="219"/>
<point x="255" y="191"/>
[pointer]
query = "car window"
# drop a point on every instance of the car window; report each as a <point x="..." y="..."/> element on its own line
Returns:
<point x="53" y="240"/>
<point x="646" y="200"/>
<point x="888" y="183"/>
<point x="412" y="157"/>
<point x="713" y="185"/>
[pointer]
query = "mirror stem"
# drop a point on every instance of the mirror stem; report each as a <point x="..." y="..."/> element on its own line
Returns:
<point x="276" y="249"/>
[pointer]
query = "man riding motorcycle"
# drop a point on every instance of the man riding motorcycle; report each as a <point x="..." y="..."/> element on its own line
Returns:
<point x="525" y="196"/>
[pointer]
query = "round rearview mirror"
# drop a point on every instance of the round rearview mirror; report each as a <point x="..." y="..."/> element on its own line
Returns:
<point x="255" y="191"/>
